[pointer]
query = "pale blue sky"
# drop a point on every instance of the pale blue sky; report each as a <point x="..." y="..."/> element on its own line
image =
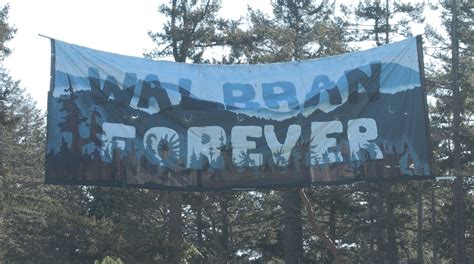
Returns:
<point x="118" y="26"/>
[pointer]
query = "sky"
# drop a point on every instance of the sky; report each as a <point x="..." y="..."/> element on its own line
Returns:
<point x="118" y="26"/>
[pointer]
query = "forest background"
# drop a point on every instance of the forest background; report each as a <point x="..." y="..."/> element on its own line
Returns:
<point x="401" y="222"/>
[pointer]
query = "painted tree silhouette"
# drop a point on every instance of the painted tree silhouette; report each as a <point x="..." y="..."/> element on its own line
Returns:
<point x="226" y="154"/>
<point x="94" y="142"/>
<point x="221" y="139"/>
<point x="316" y="160"/>
<point x="211" y="154"/>
<point x="218" y="161"/>
<point x="95" y="129"/>
<point x="303" y="150"/>
<point x="245" y="160"/>
<point x="314" y="155"/>
<point x="194" y="162"/>
<point x="325" y="158"/>
<point x="410" y="165"/>
<point x="363" y="154"/>
<point x="336" y="155"/>
<point x="168" y="149"/>
<point x="279" y="159"/>
<point x="292" y="163"/>
<point x="371" y="149"/>
<point x="356" y="166"/>
<point x="73" y="118"/>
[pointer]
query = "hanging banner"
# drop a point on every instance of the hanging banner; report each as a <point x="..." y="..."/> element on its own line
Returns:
<point x="116" y="120"/>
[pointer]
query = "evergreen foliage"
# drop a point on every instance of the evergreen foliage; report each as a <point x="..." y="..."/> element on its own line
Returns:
<point x="370" y="223"/>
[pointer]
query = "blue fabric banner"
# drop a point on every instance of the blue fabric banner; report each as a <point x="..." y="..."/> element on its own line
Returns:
<point x="116" y="120"/>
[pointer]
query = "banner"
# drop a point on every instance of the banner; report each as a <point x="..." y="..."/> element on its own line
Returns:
<point x="116" y="120"/>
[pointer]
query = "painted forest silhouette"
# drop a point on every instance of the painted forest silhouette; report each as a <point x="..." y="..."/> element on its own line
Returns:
<point x="81" y="159"/>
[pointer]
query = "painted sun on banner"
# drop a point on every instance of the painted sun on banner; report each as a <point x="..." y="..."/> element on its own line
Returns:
<point x="115" y="120"/>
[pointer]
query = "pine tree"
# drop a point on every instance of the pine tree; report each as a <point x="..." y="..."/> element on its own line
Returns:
<point x="383" y="21"/>
<point x="300" y="29"/>
<point x="42" y="223"/>
<point x="6" y="32"/>
<point x="22" y="138"/>
<point x="192" y="27"/>
<point x="441" y="82"/>
<point x="73" y="118"/>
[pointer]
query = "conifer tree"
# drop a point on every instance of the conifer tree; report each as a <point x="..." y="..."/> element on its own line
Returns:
<point x="192" y="27"/>
<point x="299" y="29"/>
<point x="455" y="160"/>
<point x="383" y="22"/>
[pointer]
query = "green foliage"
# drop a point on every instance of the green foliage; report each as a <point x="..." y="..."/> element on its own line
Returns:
<point x="75" y="224"/>
<point x="20" y="165"/>
<point x="109" y="260"/>
<point x="439" y="87"/>
<point x="382" y="21"/>
<point x="298" y="30"/>
<point x="193" y="27"/>
<point x="6" y="31"/>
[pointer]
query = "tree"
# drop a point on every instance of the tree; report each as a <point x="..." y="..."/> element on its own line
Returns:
<point x="109" y="260"/>
<point x="300" y="29"/>
<point x="78" y="224"/>
<point x="38" y="223"/>
<point x="192" y="28"/>
<point x="6" y="32"/>
<point x="451" y="112"/>
<point x="21" y="139"/>
<point x="382" y="22"/>
<point x="389" y="21"/>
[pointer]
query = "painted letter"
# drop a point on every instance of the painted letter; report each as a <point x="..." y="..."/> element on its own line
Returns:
<point x="371" y="84"/>
<point x="153" y="97"/>
<point x="241" y="146"/>
<point x="360" y="132"/>
<point x="152" y="139"/>
<point x="281" y="152"/>
<point x="205" y="141"/>
<point x="286" y="94"/>
<point x="322" y="147"/>
<point x="115" y="135"/>
<point x="232" y="96"/>
<point x="321" y="83"/>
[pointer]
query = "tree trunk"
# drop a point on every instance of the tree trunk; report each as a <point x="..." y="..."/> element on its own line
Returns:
<point x="372" y="229"/>
<point x="175" y="226"/>
<point x="387" y="24"/>
<point x="419" y="237"/>
<point x="392" y="247"/>
<point x="198" y="208"/>
<point x="293" y="242"/>
<point x="434" y="229"/>
<point x="379" y="225"/>
<point x="3" y="193"/>
<point x="332" y="226"/>
<point x="319" y="232"/>
<point x="225" y="242"/>
<point x="458" y="197"/>
<point x="459" y="221"/>
<point x="199" y="226"/>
